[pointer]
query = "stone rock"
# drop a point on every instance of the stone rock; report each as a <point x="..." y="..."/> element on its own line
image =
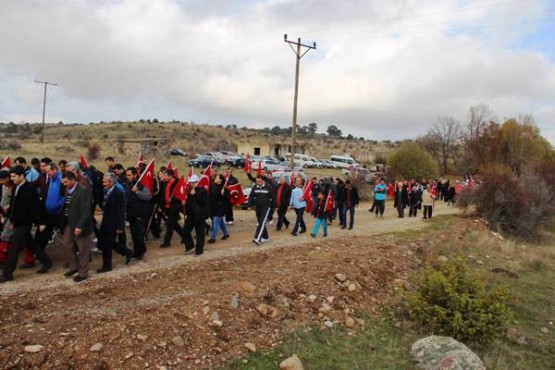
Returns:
<point x="544" y="330"/>
<point x="206" y="310"/>
<point x="178" y="341"/>
<point x="340" y="277"/>
<point x="217" y="323"/>
<point x="234" y="302"/>
<point x="349" y="322"/>
<point x="96" y="347"/>
<point x="141" y="337"/>
<point x="330" y="299"/>
<point x="352" y="287"/>
<point x="129" y="355"/>
<point x="444" y="353"/>
<point x="328" y="324"/>
<point x="442" y="259"/>
<point x="325" y="308"/>
<point x="267" y="310"/>
<point x="312" y="298"/>
<point x="33" y="348"/>
<point x="480" y="262"/>
<point x="246" y="287"/>
<point x="291" y="363"/>
<point x="215" y="317"/>
<point x="251" y="347"/>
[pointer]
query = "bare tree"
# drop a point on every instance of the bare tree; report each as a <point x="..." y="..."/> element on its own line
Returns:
<point x="478" y="118"/>
<point x="444" y="137"/>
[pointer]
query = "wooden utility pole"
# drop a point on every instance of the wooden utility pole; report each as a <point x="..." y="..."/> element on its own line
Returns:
<point x="46" y="83"/>
<point x="298" y="55"/>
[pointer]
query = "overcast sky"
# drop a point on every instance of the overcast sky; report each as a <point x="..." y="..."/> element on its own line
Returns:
<point x="382" y="69"/>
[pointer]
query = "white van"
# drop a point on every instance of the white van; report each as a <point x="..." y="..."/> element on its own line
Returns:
<point x="343" y="161"/>
<point x="302" y="160"/>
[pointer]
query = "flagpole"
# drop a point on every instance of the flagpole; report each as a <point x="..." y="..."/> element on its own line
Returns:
<point x="147" y="166"/>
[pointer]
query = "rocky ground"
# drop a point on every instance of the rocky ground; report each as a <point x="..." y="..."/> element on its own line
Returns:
<point x="178" y="312"/>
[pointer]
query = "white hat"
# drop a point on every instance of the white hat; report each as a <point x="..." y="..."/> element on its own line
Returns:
<point x="193" y="178"/>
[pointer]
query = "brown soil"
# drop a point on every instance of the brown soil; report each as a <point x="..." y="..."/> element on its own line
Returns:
<point x="235" y="294"/>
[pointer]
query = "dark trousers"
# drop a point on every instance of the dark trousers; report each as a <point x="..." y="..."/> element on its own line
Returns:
<point x="172" y="224"/>
<point x="200" y="229"/>
<point x="338" y="210"/>
<point x="351" y="211"/>
<point x="137" y="226"/>
<point x="110" y="241"/>
<point x="282" y="220"/>
<point x="51" y="222"/>
<point x="229" y="214"/>
<point x="379" y="206"/>
<point x="262" y="215"/>
<point x="22" y="237"/>
<point x="299" y="222"/>
<point x="428" y="211"/>
<point x="413" y="211"/>
<point x="401" y="210"/>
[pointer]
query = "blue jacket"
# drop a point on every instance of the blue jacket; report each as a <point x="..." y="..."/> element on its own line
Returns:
<point x="54" y="197"/>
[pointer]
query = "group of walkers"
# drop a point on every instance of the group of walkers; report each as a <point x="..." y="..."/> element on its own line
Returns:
<point x="64" y="197"/>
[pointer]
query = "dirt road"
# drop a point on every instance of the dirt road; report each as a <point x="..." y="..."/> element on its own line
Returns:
<point x="176" y="311"/>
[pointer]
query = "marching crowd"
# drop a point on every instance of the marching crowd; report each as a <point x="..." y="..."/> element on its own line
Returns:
<point x="63" y="198"/>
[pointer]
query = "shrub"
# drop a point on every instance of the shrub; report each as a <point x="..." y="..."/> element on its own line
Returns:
<point x="517" y="205"/>
<point x="453" y="302"/>
<point x="93" y="150"/>
<point x="410" y="161"/>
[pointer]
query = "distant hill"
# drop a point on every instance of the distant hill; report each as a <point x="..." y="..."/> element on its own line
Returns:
<point x="124" y="140"/>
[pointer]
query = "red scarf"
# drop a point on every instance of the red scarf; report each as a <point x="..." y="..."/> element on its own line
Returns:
<point x="168" y="194"/>
<point x="279" y="190"/>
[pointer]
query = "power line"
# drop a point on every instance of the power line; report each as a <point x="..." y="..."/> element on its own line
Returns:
<point x="298" y="56"/>
<point x="46" y="83"/>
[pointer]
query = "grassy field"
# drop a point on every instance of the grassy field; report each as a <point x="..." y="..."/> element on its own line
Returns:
<point x="529" y="342"/>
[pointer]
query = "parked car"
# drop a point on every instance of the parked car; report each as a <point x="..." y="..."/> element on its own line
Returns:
<point x="232" y="159"/>
<point x="328" y="164"/>
<point x="203" y="161"/>
<point x="362" y="173"/>
<point x="267" y="164"/>
<point x="178" y="152"/>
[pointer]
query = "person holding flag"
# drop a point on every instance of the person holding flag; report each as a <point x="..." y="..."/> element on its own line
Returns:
<point x="172" y="206"/>
<point x="322" y="212"/>
<point x="262" y="197"/>
<point x="230" y="180"/>
<point x="219" y="201"/>
<point x="283" y="199"/>
<point x="196" y="210"/>
<point x="138" y="206"/>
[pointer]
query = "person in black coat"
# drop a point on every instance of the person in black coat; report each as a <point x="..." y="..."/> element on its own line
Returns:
<point x="351" y="199"/>
<point x="113" y="223"/>
<point x="197" y="211"/>
<point x="231" y="180"/>
<point x="25" y="210"/>
<point x="415" y="200"/>
<point x="283" y="198"/>
<point x="219" y="206"/>
<point x="138" y="210"/>
<point x="401" y="198"/>
<point x="171" y="206"/>
<point x="263" y="199"/>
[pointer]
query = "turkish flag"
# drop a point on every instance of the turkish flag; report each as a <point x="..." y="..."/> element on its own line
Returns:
<point x="180" y="190"/>
<point x="204" y="180"/>
<point x="248" y="163"/>
<point x="236" y="196"/>
<point x="259" y="169"/>
<point x="83" y="163"/>
<point x="170" y="167"/>
<point x="147" y="177"/>
<point x="307" y="196"/>
<point x="330" y="201"/>
<point x="6" y="162"/>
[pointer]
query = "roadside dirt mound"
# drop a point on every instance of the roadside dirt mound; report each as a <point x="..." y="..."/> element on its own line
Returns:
<point x="175" y="313"/>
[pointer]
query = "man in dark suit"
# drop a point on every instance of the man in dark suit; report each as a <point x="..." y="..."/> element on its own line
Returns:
<point x="77" y="226"/>
<point x="113" y="223"/>
<point x="197" y="211"/>
<point x="25" y="210"/>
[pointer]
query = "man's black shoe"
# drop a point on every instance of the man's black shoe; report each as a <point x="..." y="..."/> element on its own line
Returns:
<point x="302" y="231"/>
<point x="103" y="270"/>
<point x="128" y="256"/>
<point x="44" y="269"/>
<point x="79" y="279"/>
<point x="211" y="241"/>
<point x="70" y="273"/>
<point x="25" y="266"/>
<point x="225" y="237"/>
<point x="4" y="278"/>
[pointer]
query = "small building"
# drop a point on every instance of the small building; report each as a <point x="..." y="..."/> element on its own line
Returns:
<point x="275" y="147"/>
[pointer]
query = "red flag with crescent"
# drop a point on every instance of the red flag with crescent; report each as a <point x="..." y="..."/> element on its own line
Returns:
<point x="236" y="195"/>
<point x="147" y="177"/>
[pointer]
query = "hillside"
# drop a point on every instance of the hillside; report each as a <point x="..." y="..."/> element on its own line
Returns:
<point x="125" y="139"/>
